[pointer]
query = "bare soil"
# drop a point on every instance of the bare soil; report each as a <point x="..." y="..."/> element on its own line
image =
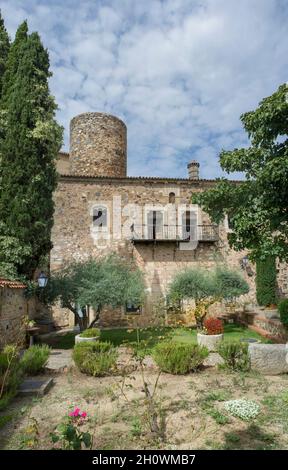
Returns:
<point x="191" y="410"/>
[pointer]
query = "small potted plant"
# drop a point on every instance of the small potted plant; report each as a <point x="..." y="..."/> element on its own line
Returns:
<point x="91" y="334"/>
<point x="212" y="334"/>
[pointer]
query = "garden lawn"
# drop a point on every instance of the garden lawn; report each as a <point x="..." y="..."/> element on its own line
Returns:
<point x="151" y="336"/>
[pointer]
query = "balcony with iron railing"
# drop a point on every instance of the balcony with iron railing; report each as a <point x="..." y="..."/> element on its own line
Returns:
<point x="178" y="233"/>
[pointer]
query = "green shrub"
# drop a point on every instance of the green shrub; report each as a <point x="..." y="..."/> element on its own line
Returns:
<point x="179" y="358"/>
<point x="34" y="359"/>
<point x="283" y="310"/>
<point x="90" y="333"/>
<point x="266" y="276"/>
<point x="95" y="357"/>
<point x="10" y="374"/>
<point x="235" y="355"/>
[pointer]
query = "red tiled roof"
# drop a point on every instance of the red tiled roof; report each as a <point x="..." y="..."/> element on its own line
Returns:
<point x="12" y="284"/>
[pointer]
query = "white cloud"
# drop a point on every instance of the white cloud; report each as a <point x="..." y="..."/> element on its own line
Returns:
<point x="179" y="72"/>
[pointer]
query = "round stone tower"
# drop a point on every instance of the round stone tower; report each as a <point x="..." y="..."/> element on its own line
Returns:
<point x="98" y="145"/>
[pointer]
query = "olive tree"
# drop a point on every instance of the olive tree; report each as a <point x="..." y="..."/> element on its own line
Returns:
<point x="109" y="281"/>
<point x="206" y="287"/>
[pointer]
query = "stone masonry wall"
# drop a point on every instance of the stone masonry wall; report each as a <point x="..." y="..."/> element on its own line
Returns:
<point x="98" y="145"/>
<point x="13" y="308"/>
<point x="63" y="163"/>
<point x="282" y="280"/>
<point x="73" y="236"/>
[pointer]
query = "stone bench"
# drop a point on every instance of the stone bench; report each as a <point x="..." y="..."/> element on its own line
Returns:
<point x="269" y="359"/>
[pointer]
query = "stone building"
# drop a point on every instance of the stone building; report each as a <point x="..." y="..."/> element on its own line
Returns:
<point x="99" y="209"/>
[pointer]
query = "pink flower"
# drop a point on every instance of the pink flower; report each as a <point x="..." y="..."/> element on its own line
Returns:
<point x="75" y="412"/>
<point x="83" y="414"/>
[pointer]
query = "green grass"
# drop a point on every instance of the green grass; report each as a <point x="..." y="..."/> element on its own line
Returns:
<point x="219" y="417"/>
<point x="235" y="332"/>
<point x="207" y="402"/>
<point x="65" y="341"/>
<point x="276" y="410"/>
<point x="152" y="336"/>
<point x="184" y="335"/>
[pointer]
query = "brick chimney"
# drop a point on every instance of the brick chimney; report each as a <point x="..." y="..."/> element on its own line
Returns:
<point x="193" y="170"/>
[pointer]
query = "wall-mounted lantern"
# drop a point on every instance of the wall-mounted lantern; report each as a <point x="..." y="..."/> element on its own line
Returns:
<point x="42" y="279"/>
<point x="245" y="265"/>
<point x="244" y="262"/>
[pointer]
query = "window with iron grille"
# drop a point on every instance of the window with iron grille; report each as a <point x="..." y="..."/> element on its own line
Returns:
<point x="132" y="308"/>
<point x="100" y="217"/>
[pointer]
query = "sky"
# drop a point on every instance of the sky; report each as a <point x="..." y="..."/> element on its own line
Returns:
<point x="178" y="72"/>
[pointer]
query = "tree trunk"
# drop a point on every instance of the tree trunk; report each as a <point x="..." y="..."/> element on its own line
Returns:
<point x="199" y="315"/>
<point x="78" y="318"/>
<point x="199" y="323"/>
<point x="96" y="317"/>
<point x="85" y="320"/>
<point x="201" y="311"/>
<point x="153" y="415"/>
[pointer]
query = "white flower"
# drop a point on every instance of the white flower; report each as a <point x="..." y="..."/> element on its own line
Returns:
<point x="243" y="409"/>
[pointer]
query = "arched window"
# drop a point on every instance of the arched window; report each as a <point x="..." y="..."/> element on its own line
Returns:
<point x="171" y="198"/>
<point x="100" y="217"/>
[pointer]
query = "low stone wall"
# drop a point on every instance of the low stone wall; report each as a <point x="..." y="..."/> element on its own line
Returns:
<point x="271" y="328"/>
<point x="13" y="308"/>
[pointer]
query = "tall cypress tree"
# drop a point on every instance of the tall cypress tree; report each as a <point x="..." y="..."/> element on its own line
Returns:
<point x="11" y="65"/>
<point x="266" y="281"/>
<point x="4" y="49"/>
<point x="29" y="149"/>
<point x="12" y="61"/>
<point x="12" y="251"/>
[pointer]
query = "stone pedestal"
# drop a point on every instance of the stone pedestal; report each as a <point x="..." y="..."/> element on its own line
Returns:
<point x="211" y="342"/>
<point x="80" y="339"/>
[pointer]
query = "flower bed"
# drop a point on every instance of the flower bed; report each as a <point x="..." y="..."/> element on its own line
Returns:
<point x="243" y="409"/>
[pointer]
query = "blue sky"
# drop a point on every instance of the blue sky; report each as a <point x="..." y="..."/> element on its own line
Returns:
<point x="178" y="72"/>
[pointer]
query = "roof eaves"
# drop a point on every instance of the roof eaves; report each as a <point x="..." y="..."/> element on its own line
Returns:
<point x="12" y="284"/>
<point x="142" y="178"/>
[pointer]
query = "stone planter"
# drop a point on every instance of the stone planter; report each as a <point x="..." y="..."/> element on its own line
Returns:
<point x="80" y="339"/>
<point x="271" y="313"/>
<point x="251" y="309"/>
<point x="209" y="341"/>
<point x="269" y="359"/>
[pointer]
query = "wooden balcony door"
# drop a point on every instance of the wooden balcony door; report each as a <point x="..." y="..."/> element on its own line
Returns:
<point x="189" y="225"/>
<point x="155" y="225"/>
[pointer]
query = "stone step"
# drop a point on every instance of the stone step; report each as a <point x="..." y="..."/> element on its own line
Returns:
<point x="35" y="386"/>
<point x="59" y="360"/>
